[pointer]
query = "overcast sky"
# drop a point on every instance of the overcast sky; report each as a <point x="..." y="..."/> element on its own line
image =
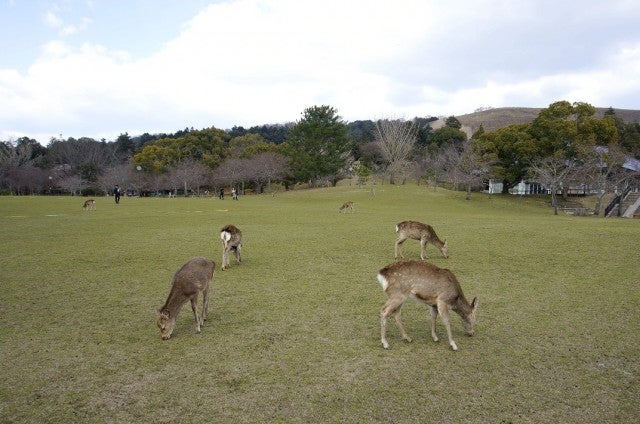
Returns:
<point x="100" y="68"/>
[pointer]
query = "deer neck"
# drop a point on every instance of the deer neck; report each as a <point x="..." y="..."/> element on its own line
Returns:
<point x="437" y="242"/>
<point x="174" y="303"/>
<point x="462" y="307"/>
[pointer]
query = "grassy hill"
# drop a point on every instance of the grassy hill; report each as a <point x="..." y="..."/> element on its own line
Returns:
<point x="492" y="119"/>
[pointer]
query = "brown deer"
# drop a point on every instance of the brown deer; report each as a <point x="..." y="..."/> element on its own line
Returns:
<point x="437" y="287"/>
<point x="191" y="279"/>
<point x="231" y="237"/>
<point x="89" y="205"/>
<point x="419" y="231"/>
<point x="346" y="206"/>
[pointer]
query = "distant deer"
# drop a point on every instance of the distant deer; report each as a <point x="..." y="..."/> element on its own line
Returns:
<point x="231" y="237"/>
<point x="346" y="206"/>
<point x="191" y="279"/>
<point x="89" y="205"/>
<point x="419" y="231"/>
<point x="436" y="287"/>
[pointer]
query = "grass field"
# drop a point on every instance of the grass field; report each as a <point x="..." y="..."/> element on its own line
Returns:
<point x="293" y="333"/>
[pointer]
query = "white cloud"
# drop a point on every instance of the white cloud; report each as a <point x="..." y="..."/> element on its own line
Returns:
<point x="250" y="62"/>
<point x="52" y="20"/>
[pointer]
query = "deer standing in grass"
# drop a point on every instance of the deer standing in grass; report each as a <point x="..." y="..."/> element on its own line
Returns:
<point x="419" y="231"/>
<point x="231" y="237"/>
<point x="89" y="205"/>
<point x="436" y="287"/>
<point x="346" y="206"/>
<point x="192" y="278"/>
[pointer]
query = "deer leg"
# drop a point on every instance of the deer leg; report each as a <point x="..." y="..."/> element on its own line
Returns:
<point x="238" y="255"/>
<point x="194" y="304"/>
<point x="389" y="308"/>
<point x="443" y="309"/>
<point x="399" y="242"/>
<point x="434" y="314"/>
<point x="398" y="319"/>
<point x="225" y="257"/>
<point x="205" y="303"/>
<point x="423" y="244"/>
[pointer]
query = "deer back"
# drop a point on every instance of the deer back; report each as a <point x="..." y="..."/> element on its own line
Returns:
<point x="415" y="230"/>
<point x="192" y="277"/>
<point x="423" y="280"/>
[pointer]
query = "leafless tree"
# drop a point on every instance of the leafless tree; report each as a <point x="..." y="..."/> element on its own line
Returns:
<point x="471" y="169"/>
<point x="119" y="174"/>
<point x="231" y="171"/>
<point x="188" y="174"/>
<point x="602" y="169"/>
<point x="442" y="163"/>
<point x="26" y="179"/>
<point x="14" y="156"/>
<point x="554" y="172"/>
<point x="266" y="167"/>
<point x="396" y="138"/>
<point x="73" y="184"/>
<point x="81" y="151"/>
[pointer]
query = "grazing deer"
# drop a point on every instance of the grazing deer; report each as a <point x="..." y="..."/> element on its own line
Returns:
<point x="346" y="206"/>
<point x="419" y="231"/>
<point x="231" y="237"/>
<point x="192" y="278"/>
<point x="437" y="287"/>
<point x="89" y="205"/>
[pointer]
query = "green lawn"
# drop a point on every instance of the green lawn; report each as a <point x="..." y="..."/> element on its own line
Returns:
<point x="293" y="333"/>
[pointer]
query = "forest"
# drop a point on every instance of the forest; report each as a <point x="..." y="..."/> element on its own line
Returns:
<point x="565" y="145"/>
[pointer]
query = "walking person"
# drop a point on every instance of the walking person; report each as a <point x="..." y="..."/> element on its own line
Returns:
<point x="116" y="193"/>
<point x="234" y="193"/>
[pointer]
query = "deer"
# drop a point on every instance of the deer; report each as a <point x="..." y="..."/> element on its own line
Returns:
<point x="193" y="277"/>
<point x="346" y="206"/>
<point x="419" y="231"/>
<point x="89" y="205"/>
<point x="437" y="287"/>
<point x="231" y="237"/>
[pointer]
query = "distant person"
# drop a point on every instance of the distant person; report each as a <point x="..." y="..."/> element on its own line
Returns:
<point x="221" y="196"/>
<point x="116" y="193"/>
<point x="234" y="193"/>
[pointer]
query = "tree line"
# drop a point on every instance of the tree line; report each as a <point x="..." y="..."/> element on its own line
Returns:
<point x="321" y="148"/>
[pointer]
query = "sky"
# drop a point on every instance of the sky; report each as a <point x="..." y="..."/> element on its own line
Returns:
<point x="101" y="68"/>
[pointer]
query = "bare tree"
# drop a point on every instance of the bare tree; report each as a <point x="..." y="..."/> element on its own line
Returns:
<point x="73" y="184"/>
<point x="14" y="156"/>
<point x="26" y="179"/>
<point x="266" y="167"/>
<point x="396" y="139"/>
<point x="119" y="174"/>
<point x="231" y="171"/>
<point x="471" y="168"/>
<point x="554" y="172"/>
<point x="442" y="163"/>
<point x="85" y="152"/>
<point x="602" y="169"/>
<point x="188" y="174"/>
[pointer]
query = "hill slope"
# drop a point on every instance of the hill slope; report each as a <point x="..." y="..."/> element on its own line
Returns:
<point x="492" y="119"/>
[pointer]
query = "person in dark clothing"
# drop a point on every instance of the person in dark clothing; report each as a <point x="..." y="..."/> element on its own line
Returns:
<point x="116" y="193"/>
<point x="221" y="194"/>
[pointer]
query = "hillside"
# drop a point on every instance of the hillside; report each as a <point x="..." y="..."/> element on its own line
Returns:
<point x="493" y="119"/>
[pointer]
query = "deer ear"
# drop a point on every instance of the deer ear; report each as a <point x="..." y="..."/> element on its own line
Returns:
<point x="474" y="303"/>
